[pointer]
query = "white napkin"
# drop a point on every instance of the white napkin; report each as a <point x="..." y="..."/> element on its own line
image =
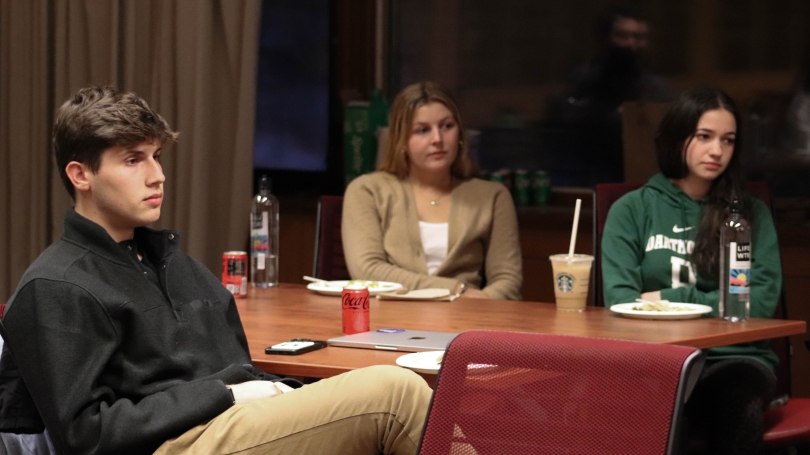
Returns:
<point x="443" y="295"/>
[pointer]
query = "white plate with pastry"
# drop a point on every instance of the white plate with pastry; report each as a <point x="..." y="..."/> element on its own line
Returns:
<point x="336" y="287"/>
<point x="669" y="311"/>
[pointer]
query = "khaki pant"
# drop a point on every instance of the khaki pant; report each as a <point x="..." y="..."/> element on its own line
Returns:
<point x="373" y="410"/>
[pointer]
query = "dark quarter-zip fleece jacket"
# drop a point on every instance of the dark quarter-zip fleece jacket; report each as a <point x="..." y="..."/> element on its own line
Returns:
<point x="118" y="361"/>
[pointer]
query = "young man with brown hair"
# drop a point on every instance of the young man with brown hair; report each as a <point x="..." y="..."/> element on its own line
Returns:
<point x="128" y="345"/>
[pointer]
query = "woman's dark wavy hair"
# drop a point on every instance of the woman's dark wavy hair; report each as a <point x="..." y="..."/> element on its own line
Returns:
<point x="674" y="135"/>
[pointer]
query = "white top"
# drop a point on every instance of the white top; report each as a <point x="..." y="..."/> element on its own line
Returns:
<point x="434" y="242"/>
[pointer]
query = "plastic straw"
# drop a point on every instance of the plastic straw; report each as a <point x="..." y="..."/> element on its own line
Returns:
<point x="574" y="228"/>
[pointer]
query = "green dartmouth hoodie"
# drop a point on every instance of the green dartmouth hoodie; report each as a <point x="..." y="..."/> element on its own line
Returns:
<point x="646" y="245"/>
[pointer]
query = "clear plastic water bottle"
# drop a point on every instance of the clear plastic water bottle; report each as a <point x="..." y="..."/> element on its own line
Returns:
<point x="735" y="266"/>
<point x="264" y="237"/>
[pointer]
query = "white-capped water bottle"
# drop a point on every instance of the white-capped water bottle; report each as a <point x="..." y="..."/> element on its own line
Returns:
<point x="735" y="266"/>
<point x="264" y="237"/>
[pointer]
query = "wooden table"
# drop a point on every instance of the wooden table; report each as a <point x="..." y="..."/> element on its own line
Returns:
<point x="288" y="311"/>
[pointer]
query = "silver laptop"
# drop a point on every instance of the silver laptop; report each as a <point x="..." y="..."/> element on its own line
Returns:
<point x="396" y="340"/>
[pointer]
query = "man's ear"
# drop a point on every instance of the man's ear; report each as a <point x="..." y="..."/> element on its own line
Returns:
<point x="78" y="175"/>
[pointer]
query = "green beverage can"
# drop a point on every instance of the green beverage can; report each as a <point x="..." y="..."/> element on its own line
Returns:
<point x="540" y="187"/>
<point x="497" y="177"/>
<point x="359" y="148"/>
<point x="521" y="187"/>
<point x="507" y="177"/>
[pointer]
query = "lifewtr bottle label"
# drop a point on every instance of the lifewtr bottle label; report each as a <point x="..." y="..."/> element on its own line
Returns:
<point x="739" y="280"/>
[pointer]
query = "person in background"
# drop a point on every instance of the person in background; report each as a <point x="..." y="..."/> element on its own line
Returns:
<point x="424" y="220"/>
<point x="129" y="346"/>
<point x="662" y="242"/>
<point x="779" y="140"/>
<point x="798" y="113"/>
<point x="617" y="73"/>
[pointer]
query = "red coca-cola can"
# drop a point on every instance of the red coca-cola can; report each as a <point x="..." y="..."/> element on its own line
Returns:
<point x="235" y="272"/>
<point x="355" y="309"/>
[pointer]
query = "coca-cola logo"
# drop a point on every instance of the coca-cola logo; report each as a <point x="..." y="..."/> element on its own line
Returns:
<point x="355" y="302"/>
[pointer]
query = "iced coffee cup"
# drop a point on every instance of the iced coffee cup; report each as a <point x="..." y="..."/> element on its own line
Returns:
<point x="572" y="277"/>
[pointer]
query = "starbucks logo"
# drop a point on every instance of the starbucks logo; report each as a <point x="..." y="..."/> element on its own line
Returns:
<point x="565" y="282"/>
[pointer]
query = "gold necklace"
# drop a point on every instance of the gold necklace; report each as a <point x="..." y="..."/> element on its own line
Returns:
<point x="434" y="202"/>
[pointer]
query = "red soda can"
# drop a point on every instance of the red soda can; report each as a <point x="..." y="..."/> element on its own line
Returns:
<point x="355" y="309"/>
<point x="235" y="272"/>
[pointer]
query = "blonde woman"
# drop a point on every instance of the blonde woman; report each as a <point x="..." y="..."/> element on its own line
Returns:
<point x="423" y="220"/>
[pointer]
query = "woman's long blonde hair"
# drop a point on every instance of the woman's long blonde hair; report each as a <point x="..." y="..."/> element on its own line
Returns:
<point x="400" y="120"/>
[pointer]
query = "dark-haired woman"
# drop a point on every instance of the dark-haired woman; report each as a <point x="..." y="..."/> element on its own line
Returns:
<point x="661" y="242"/>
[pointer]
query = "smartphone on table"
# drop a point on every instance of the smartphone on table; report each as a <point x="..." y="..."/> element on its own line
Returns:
<point x="295" y="347"/>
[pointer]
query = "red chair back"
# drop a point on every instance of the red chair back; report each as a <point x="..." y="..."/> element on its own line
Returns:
<point x="604" y="195"/>
<point x="517" y="393"/>
<point x="329" y="263"/>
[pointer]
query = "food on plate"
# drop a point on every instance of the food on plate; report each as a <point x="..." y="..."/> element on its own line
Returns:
<point x="366" y="283"/>
<point x="657" y="305"/>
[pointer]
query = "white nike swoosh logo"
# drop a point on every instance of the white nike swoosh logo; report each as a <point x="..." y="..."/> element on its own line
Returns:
<point x="678" y="230"/>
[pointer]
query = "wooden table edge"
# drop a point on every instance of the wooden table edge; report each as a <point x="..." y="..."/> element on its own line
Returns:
<point x="762" y="333"/>
<point x="281" y="367"/>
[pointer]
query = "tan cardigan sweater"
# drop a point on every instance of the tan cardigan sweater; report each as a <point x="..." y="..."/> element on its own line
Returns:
<point x="381" y="238"/>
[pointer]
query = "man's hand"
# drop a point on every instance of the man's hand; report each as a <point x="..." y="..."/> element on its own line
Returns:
<point x="257" y="390"/>
<point x="283" y="387"/>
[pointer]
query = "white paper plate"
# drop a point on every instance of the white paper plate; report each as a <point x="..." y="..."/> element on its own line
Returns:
<point x="336" y="287"/>
<point x="421" y="362"/>
<point x="691" y="311"/>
